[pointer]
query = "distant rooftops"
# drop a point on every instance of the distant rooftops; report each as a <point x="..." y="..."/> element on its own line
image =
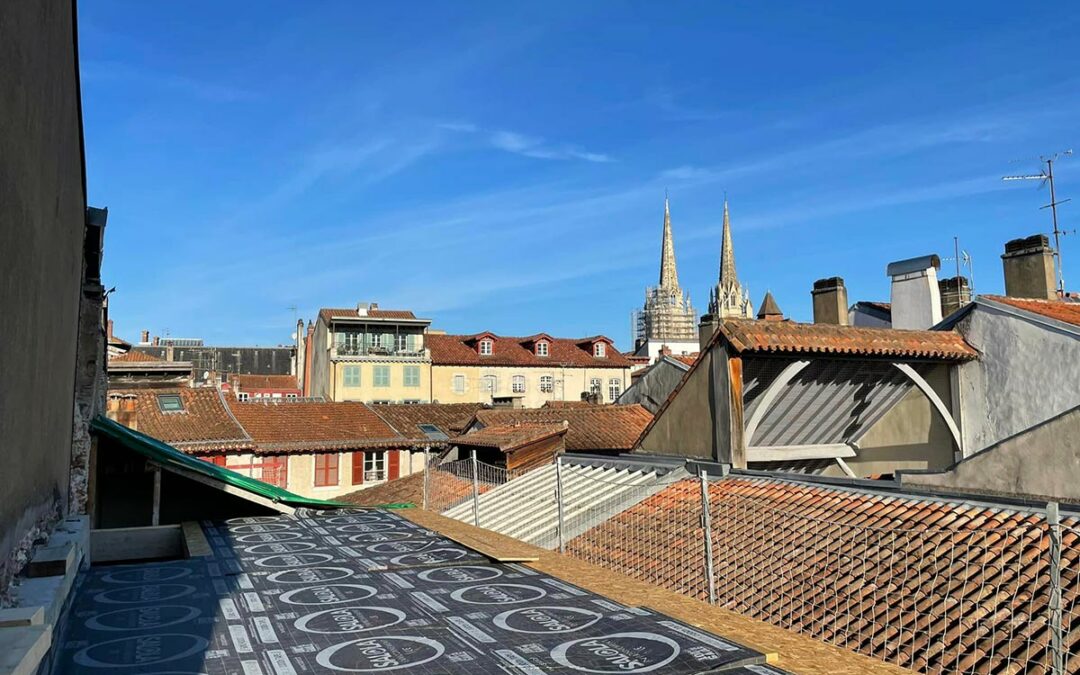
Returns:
<point x="533" y="350"/>
<point x="369" y="312"/>
<point x="1066" y="310"/>
<point x="591" y="427"/>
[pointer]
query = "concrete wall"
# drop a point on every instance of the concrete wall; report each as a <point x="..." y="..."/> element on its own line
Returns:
<point x="1042" y="462"/>
<point x="912" y="435"/>
<point x="1027" y="372"/>
<point x="42" y="216"/>
<point x="687" y="427"/>
<point x="569" y="383"/>
<point x="320" y="361"/>
<point x="654" y="387"/>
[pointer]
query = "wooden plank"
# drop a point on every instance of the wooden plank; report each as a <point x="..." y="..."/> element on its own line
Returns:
<point x="23" y="649"/>
<point x="778" y="453"/>
<point x="195" y="543"/>
<point x="798" y="654"/>
<point x="22" y="616"/>
<point x="51" y="561"/>
<point x="496" y="546"/>
<point x="155" y="516"/>
<point x="137" y="543"/>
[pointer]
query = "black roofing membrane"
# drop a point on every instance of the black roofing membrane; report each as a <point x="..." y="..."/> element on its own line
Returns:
<point x="365" y="592"/>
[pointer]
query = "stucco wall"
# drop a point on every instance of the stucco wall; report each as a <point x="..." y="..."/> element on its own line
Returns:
<point x="569" y="383"/>
<point x="1042" y="462"/>
<point x="687" y="426"/>
<point x="1027" y="373"/>
<point x="41" y="233"/>
<point x="320" y="361"/>
<point x="910" y="436"/>
<point x="367" y="392"/>
<point x="302" y="474"/>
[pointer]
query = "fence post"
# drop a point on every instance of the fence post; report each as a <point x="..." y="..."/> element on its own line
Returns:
<point x="427" y="476"/>
<point x="706" y="525"/>
<point x="475" y="491"/>
<point x="559" y="501"/>
<point x="1057" y="652"/>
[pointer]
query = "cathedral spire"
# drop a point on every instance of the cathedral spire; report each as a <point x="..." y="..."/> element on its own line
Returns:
<point x="669" y="274"/>
<point x="728" y="277"/>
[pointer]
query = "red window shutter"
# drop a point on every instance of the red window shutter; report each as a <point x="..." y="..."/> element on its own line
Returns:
<point x="216" y="460"/>
<point x="326" y="469"/>
<point x="395" y="464"/>
<point x="358" y="468"/>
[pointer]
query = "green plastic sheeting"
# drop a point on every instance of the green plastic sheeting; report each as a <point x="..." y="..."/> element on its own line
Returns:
<point x="166" y="455"/>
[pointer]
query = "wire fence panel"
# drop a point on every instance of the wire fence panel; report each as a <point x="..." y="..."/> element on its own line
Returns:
<point x="449" y="485"/>
<point x="1070" y="596"/>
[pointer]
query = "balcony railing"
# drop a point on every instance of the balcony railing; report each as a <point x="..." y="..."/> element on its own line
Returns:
<point x="364" y="350"/>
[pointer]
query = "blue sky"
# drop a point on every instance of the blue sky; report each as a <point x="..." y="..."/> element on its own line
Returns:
<point x="502" y="166"/>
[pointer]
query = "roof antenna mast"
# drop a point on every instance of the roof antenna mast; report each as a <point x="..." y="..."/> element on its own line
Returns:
<point x="1047" y="177"/>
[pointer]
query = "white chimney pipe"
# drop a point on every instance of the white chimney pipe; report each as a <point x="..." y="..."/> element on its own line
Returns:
<point x="916" y="300"/>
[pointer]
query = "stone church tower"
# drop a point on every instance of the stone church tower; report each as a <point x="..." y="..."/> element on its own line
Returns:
<point x="728" y="299"/>
<point x="668" y="316"/>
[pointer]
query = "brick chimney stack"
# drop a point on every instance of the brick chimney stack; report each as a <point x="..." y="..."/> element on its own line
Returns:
<point x="830" y="301"/>
<point x="1029" y="268"/>
<point x="916" y="298"/>
<point x="145" y="337"/>
<point x="108" y="330"/>
<point x="955" y="293"/>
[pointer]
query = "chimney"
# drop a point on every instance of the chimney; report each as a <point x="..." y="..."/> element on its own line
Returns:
<point x="145" y="338"/>
<point x="108" y="330"/>
<point x="916" y="300"/>
<point x="830" y="301"/>
<point x="157" y="341"/>
<point x="708" y="325"/>
<point x="1029" y="268"/>
<point x="361" y="309"/>
<point x="955" y="293"/>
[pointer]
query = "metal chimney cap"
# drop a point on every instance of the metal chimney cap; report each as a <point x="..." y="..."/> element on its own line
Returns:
<point x="920" y="264"/>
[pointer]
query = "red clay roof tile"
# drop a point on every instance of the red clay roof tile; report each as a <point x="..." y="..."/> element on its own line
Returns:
<point x="460" y="350"/>
<point x="594" y="427"/>
<point x="1061" y="310"/>
<point x="815" y="338"/>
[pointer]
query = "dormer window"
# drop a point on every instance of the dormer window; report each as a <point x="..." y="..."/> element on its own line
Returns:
<point x="485" y="347"/>
<point x="170" y="403"/>
<point x="599" y="350"/>
<point x="542" y="348"/>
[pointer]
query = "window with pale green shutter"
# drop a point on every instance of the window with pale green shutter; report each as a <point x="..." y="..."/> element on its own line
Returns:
<point x="351" y="376"/>
<point x="412" y="376"/>
<point x="382" y="376"/>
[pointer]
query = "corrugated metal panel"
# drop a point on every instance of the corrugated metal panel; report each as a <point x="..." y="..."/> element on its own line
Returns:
<point x="592" y="494"/>
<point x="830" y="402"/>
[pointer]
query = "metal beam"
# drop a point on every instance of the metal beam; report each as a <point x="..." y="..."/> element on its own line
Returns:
<point x="776" y="453"/>
<point x="768" y="396"/>
<point x="935" y="400"/>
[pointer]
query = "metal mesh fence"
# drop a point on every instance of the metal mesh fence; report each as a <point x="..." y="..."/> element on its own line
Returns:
<point x="952" y="591"/>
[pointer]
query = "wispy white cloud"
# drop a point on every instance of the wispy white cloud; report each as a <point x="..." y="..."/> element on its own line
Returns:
<point x="204" y="89"/>
<point x="525" y="145"/>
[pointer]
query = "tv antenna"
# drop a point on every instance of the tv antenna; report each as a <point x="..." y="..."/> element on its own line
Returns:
<point x="1046" y="176"/>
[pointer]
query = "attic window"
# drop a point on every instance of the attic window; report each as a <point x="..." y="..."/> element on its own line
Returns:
<point x="599" y="350"/>
<point x="542" y="348"/>
<point x="432" y="432"/>
<point x="170" y="403"/>
<point x="485" y="348"/>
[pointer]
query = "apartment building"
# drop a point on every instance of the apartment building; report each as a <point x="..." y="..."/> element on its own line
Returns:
<point x="525" y="371"/>
<point x="367" y="354"/>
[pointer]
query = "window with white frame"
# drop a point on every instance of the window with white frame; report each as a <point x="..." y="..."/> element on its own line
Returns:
<point x="517" y="385"/>
<point x="374" y="465"/>
<point x="614" y="388"/>
<point x="489" y="383"/>
<point x="381" y="376"/>
<point x="485" y="347"/>
<point x="290" y="396"/>
<point x="242" y="396"/>
<point x="547" y="384"/>
<point x="412" y="376"/>
<point x="596" y="386"/>
<point x="542" y="348"/>
<point x="459" y="384"/>
<point x="599" y="350"/>
<point x="351" y="376"/>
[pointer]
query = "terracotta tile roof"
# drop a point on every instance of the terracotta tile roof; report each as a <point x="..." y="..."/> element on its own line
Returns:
<point x="884" y="307"/>
<point x="460" y="350"/>
<point x="134" y="356"/>
<point x="1061" y="310"/>
<point x="448" y="417"/>
<point x="406" y="490"/>
<point x="929" y="584"/>
<point x="329" y="313"/>
<point x="789" y="337"/>
<point x="567" y="404"/>
<point x="204" y="425"/>
<point x="596" y="427"/>
<point x="303" y="425"/>
<point x="510" y="437"/>
<point x="688" y="359"/>
<point x="250" y="382"/>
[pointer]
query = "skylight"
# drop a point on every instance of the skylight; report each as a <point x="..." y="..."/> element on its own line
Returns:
<point x="433" y="432"/>
<point x="170" y="403"/>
